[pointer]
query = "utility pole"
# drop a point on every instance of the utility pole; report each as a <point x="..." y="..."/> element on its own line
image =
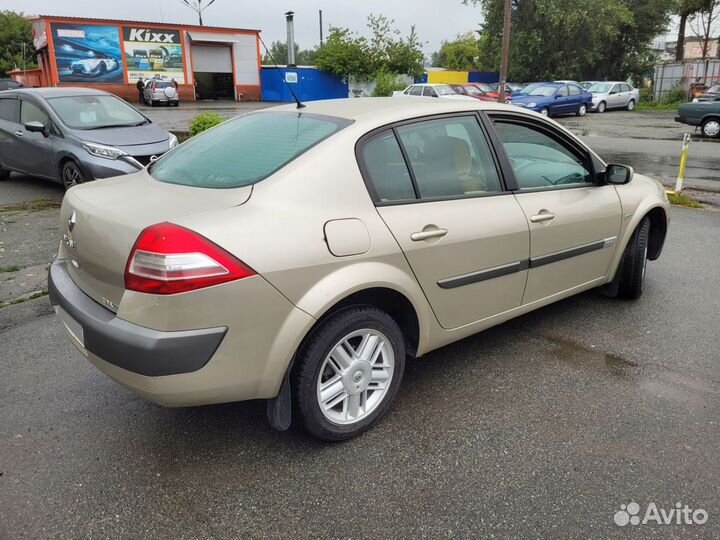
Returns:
<point x="505" y="54"/>
<point x="321" y="28"/>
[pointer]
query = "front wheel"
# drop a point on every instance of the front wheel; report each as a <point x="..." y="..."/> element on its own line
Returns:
<point x="634" y="263"/>
<point x="631" y="105"/>
<point x="582" y="110"/>
<point x="711" y="128"/>
<point x="601" y="107"/>
<point x="348" y="373"/>
<point x="71" y="175"/>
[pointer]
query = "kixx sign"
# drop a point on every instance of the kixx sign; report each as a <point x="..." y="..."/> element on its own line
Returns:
<point x="144" y="35"/>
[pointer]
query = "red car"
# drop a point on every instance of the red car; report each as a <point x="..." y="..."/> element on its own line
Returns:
<point x="472" y="90"/>
<point x="487" y="90"/>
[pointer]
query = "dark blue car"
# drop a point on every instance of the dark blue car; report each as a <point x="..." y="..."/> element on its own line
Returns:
<point x="555" y="99"/>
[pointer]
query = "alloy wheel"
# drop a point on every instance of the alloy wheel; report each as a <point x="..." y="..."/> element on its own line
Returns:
<point x="582" y="110"/>
<point x="71" y="176"/>
<point x="601" y="107"/>
<point x="355" y="376"/>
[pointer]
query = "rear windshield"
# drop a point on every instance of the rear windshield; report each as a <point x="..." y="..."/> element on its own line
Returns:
<point x="162" y="84"/>
<point x="244" y="150"/>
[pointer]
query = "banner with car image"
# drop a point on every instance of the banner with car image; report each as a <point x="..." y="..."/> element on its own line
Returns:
<point x="87" y="53"/>
<point x="153" y="53"/>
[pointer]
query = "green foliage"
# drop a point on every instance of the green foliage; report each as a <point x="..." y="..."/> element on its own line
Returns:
<point x="574" y="39"/>
<point x="345" y="54"/>
<point x="462" y="53"/>
<point x="278" y="52"/>
<point x="14" y="31"/>
<point x="204" y="121"/>
<point x="386" y="83"/>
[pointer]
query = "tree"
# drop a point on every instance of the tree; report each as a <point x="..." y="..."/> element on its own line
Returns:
<point x="702" y="23"/>
<point x="573" y="39"/>
<point x="461" y="53"/>
<point x="345" y="55"/>
<point x="279" y="52"/>
<point x="15" y="39"/>
<point x="686" y="8"/>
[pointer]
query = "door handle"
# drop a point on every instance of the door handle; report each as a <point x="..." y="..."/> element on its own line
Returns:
<point x="425" y="235"/>
<point x="542" y="216"/>
<point x="19" y="133"/>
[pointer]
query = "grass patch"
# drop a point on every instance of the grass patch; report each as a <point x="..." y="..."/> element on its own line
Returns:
<point x="655" y="106"/>
<point x="22" y="299"/>
<point x="33" y="206"/>
<point x="13" y="268"/>
<point x="683" y="200"/>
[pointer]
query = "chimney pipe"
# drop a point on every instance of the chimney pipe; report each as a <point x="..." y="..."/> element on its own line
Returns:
<point x="290" y="38"/>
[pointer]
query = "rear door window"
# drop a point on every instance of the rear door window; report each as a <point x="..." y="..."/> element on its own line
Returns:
<point x="386" y="169"/>
<point x="8" y="109"/>
<point x="245" y="150"/>
<point x="416" y="91"/>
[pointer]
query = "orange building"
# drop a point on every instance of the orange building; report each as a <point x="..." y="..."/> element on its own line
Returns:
<point x="111" y="55"/>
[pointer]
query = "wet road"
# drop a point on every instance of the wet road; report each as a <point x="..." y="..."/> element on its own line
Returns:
<point x="539" y="428"/>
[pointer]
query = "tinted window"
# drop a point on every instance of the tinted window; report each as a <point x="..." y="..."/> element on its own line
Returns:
<point x="574" y="90"/>
<point x="429" y="91"/>
<point x="92" y="112"/>
<point x="29" y="112"/>
<point x="386" y="168"/>
<point x="416" y="91"/>
<point x="540" y="160"/>
<point x="245" y="150"/>
<point x="627" y="88"/>
<point x="7" y="110"/>
<point x="450" y="157"/>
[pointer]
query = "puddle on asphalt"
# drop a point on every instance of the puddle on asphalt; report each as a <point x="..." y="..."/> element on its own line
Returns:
<point x="579" y="355"/>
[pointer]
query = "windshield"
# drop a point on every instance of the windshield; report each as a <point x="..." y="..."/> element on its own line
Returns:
<point x="530" y="87"/>
<point x="244" y="150"/>
<point x="94" y="112"/>
<point x="472" y="90"/>
<point x="600" y="88"/>
<point x="444" y="90"/>
<point x="714" y="89"/>
<point x="547" y="91"/>
<point x="484" y="88"/>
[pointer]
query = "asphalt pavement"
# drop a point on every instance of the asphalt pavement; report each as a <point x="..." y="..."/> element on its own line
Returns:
<point x="539" y="428"/>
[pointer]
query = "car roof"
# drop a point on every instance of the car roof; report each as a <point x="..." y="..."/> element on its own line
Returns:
<point x="384" y="110"/>
<point x="67" y="91"/>
<point x="432" y="84"/>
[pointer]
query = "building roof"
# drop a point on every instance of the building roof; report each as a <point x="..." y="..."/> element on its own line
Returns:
<point x="144" y="23"/>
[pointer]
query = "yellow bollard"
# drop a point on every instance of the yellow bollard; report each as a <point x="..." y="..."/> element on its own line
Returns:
<point x="683" y="162"/>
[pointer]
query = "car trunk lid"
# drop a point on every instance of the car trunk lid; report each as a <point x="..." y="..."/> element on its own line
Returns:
<point x="100" y="222"/>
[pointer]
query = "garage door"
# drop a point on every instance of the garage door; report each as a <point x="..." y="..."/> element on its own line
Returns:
<point x="209" y="59"/>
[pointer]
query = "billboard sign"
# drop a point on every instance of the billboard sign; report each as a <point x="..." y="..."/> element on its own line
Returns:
<point x="87" y="53"/>
<point x="153" y="53"/>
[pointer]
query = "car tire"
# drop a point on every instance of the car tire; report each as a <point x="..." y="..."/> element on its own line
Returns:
<point x="153" y="103"/>
<point x="602" y="107"/>
<point x="711" y="128"/>
<point x="582" y="111"/>
<point x="369" y="382"/>
<point x="634" y="263"/>
<point x="545" y="111"/>
<point x="102" y="68"/>
<point x="631" y="105"/>
<point x="72" y="175"/>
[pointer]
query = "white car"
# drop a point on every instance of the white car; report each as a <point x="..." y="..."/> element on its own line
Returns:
<point x="431" y="90"/>
<point x="94" y="66"/>
<point x="613" y="95"/>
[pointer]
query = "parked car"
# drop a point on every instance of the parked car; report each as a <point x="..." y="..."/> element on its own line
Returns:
<point x="158" y="91"/>
<point x="613" y="95"/>
<point x="300" y="255"/>
<point x="705" y="114"/>
<point x="430" y="90"/>
<point x="94" y="66"/>
<point x="472" y="91"/>
<point x="486" y="89"/>
<point x="711" y="94"/>
<point x="554" y="99"/>
<point x="72" y="135"/>
<point x="526" y="89"/>
<point x="10" y="84"/>
<point x="587" y="84"/>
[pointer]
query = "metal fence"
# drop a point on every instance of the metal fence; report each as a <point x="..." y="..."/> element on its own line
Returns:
<point x="684" y="78"/>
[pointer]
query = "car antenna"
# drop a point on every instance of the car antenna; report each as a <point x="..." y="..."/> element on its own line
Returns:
<point x="300" y="105"/>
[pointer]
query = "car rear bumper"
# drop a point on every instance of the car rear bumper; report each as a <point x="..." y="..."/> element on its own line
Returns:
<point x="123" y="344"/>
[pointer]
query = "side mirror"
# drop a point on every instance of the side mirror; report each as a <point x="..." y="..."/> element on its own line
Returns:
<point x="618" y="174"/>
<point x="35" y="127"/>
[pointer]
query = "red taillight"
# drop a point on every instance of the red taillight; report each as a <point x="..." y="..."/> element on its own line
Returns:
<point x="169" y="259"/>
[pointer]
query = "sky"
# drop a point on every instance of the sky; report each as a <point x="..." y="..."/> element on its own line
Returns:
<point x="435" y="20"/>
